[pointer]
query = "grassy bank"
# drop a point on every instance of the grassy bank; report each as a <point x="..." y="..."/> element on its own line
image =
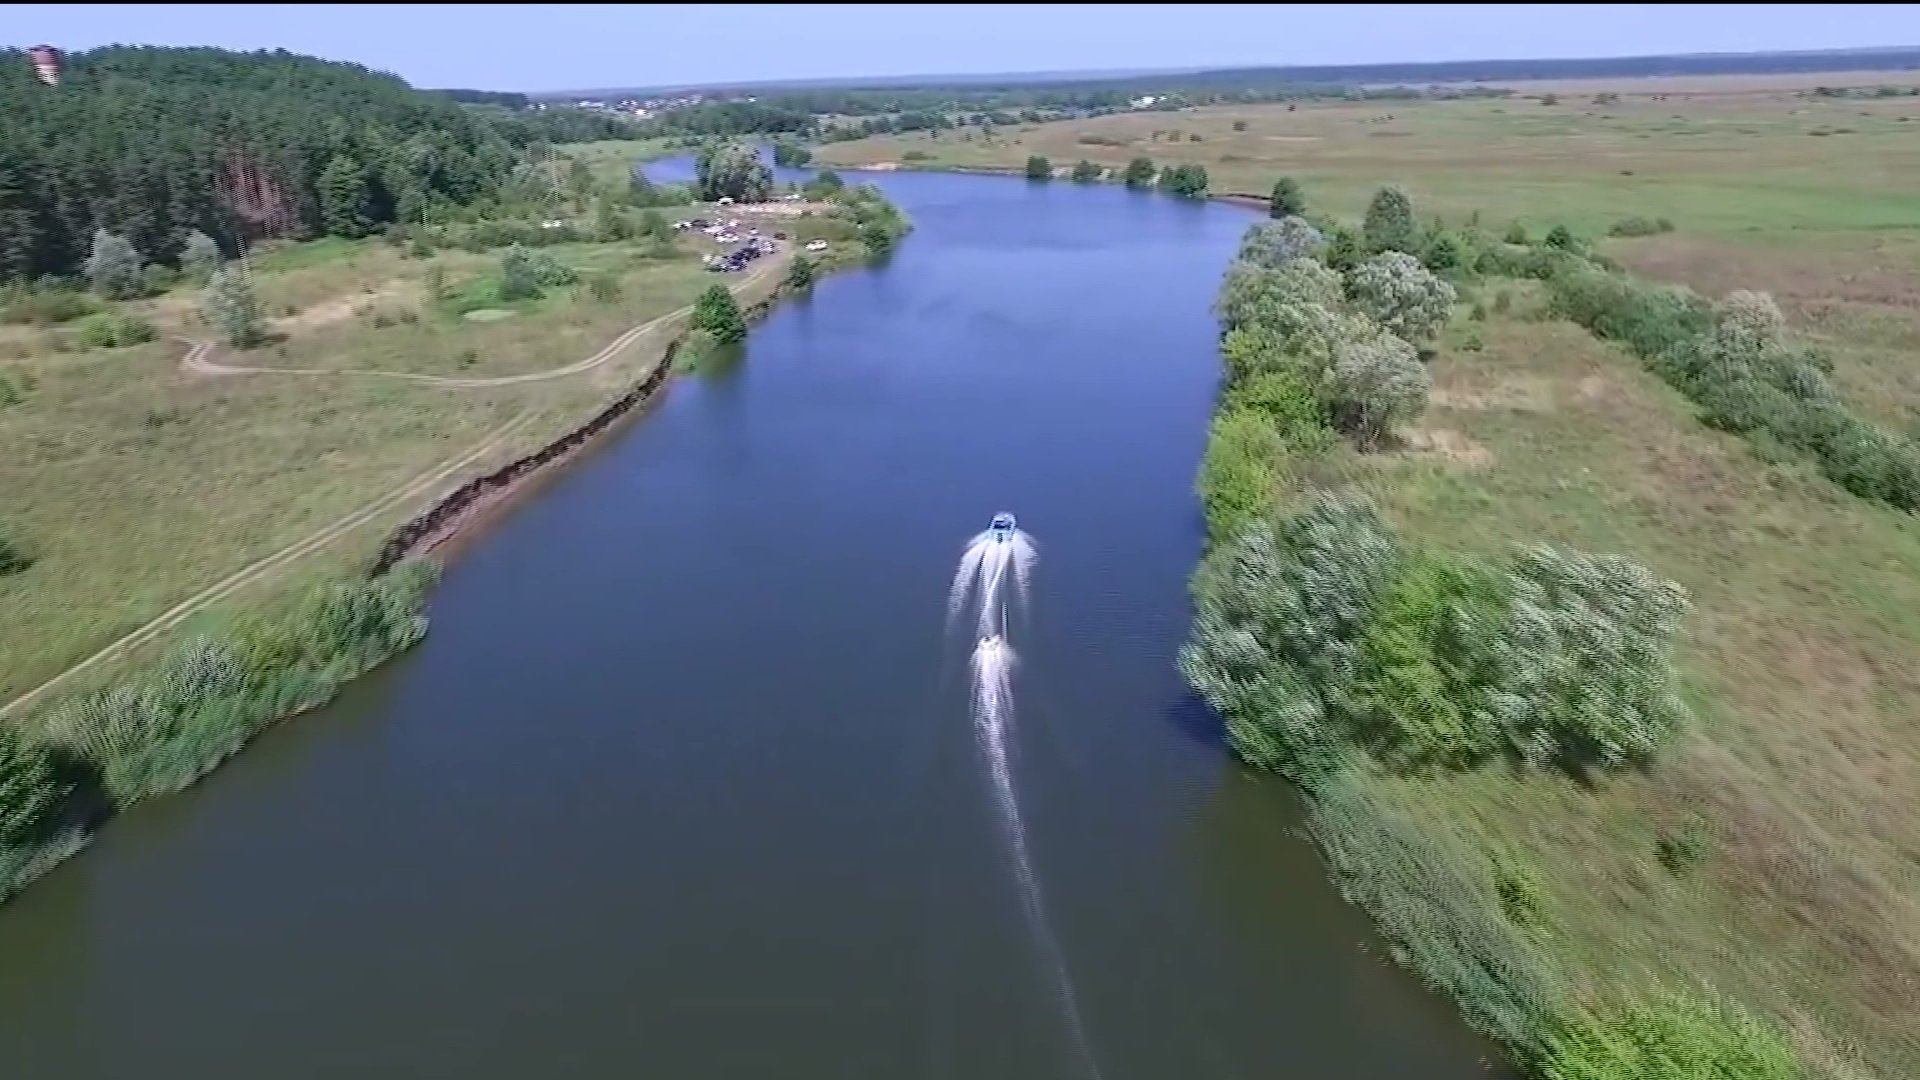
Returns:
<point x="136" y="483"/>
<point x="1600" y="875"/>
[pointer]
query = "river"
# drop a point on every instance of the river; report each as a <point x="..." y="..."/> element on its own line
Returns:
<point x="682" y="783"/>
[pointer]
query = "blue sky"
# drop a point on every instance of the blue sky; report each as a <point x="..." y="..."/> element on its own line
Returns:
<point x="580" y="46"/>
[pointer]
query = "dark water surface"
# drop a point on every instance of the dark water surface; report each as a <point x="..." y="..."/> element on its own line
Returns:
<point x="682" y="783"/>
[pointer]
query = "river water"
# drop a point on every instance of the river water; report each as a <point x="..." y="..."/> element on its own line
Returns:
<point x="682" y="783"/>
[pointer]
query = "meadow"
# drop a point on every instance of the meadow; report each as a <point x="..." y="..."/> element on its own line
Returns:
<point x="1736" y="155"/>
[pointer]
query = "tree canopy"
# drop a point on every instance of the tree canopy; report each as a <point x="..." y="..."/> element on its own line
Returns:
<point x="154" y="144"/>
<point x="732" y="170"/>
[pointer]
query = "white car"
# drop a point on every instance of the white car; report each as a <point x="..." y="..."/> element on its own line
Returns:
<point x="816" y="245"/>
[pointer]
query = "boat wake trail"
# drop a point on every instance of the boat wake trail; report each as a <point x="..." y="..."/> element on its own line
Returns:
<point x="993" y="561"/>
<point x="996" y="562"/>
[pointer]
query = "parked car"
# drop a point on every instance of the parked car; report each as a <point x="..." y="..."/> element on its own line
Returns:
<point x="816" y="245"/>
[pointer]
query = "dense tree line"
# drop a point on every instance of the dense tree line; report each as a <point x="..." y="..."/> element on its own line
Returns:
<point x="155" y="144"/>
<point x="731" y="118"/>
<point x="555" y="124"/>
<point x="503" y="98"/>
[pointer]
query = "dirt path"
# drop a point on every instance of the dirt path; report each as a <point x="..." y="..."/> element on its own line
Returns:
<point x="199" y="358"/>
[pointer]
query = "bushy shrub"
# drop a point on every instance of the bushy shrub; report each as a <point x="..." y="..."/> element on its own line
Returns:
<point x="1517" y="886"/>
<point x="1275" y="642"/>
<point x="13" y="559"/>
<point x="1086" y="172"/>
<point x="1345" y="246"/>
<point x="1585" y="659"/>
<point x="199" y="257"/>
<point x="1681" y="1037"/>
<point x="696" y="351"/>
<point x="1186" y="181"/>
<point x="49" y="307"/>
<point x="604" y="286"/>
<point x="1376" y="385"/>
<point x="718" y="314"/>
<point x="525" y="274"/>
<point x="1648" y="319"/>
<point x="879" y="222"/>
<point x="1389" y="224"/>
<point x="1237" y="473"/>
<point x="1292" y="408"/>
<point x="29" y="790"/>
<point x="1394" y="290"/>
<point x="157" y="278"/>
<point x="1442" y="251"/>
<point x="801" y="273"/>
<point x="233" y="307"/>
<point x="1287" y="199"/>
<point x="112" y="330"/>
<point x="1682" y="848"/>
<point x="1039" y="168"/>
<point x="1426" y="669"/>
<point x="1640" y="226"/>
<point x="1250" y="350"/>
<point x="114" y="267"/>
<point x="1273" y="244"/>
<point x="164" y="730"/>
<point x="1562" y="237"/>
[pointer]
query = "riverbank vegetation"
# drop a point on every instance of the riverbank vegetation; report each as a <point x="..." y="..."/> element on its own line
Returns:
<point x="1576" y="606"/>
<point x="427" y="353"/>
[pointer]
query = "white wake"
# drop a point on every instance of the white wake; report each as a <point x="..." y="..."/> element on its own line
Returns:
<point x="990" y="570"/>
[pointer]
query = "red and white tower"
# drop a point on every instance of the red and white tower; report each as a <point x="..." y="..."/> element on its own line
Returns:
<point x="46" y="63"/>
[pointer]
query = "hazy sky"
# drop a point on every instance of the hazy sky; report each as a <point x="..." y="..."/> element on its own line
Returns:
<point x="569" y="46"/>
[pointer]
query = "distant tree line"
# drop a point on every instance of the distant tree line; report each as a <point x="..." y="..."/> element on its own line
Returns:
<point x="156" y="144"/>
<point x="503" y="98"/>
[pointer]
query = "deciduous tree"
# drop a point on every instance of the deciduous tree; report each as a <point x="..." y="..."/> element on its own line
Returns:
<point x="1397" y="292"/>
<point x="1288" y="200"/>
<point x="233" y="309"/>
<point x="1389" y="224"/>
<point x="114" y="267"/>
<point x="718" y="314"/>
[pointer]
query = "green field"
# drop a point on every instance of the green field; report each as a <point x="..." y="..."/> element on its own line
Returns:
<point x="1761" y="160"/>
<point x="1798" y="655"/>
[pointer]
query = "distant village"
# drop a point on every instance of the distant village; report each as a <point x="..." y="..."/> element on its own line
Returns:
<point x="638" y="109"/>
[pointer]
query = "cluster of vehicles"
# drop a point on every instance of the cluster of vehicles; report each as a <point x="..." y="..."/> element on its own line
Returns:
<point x="738" y="258"/>
<point x="728" y="232"/>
